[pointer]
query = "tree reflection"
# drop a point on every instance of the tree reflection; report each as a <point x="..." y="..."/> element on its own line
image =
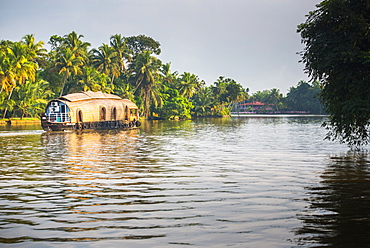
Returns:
<point x="339" y="208"/>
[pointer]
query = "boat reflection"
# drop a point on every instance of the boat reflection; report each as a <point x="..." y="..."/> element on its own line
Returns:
<point x="105" y="173"/>
<point x="339" y="206"/>
<point x="83" y="155"/>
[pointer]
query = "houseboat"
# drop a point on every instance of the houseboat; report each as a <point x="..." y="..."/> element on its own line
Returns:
<point x="90" y="110"/>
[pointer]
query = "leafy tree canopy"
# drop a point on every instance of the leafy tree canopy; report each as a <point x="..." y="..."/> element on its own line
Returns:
<point x="305" y="97"/>
<point x="141" y="43"/>
<point x="337" y="53"/>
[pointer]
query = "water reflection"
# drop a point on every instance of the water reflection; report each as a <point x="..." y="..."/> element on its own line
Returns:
<point x="339" y="210"/>
<point x="206" y="183"/>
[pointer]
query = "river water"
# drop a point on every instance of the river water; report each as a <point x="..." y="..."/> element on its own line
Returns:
<point x="237" y="182"/>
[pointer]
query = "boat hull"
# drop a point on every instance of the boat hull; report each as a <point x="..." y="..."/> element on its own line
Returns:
<point x="101" y="125"/>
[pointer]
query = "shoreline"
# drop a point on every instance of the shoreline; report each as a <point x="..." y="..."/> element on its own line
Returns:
<point x="18" y="121"/>
<point x="277" y="115"/>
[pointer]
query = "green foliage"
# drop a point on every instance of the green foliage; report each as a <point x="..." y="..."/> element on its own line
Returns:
<point x="188" y="84"/>
<point x="119" y="45"/>
<point x="68" y="65"/>
<point x="260" y="96"/>
<point x="175" y="106"/>
<point x="227" y="91"/>
<point x="92" y="79"/>
<point x="127" y="66"/>
<point x="6" y="104"/>
<point x="141" y="43"/>
<point x="104" y="59"/>
<point x="31" y="98"/>
<point x="272" y="97"/>
<point x="203" y="102"/>
<point x="305" y="97"/>
<point x="124" y="89"/>
<point x="18" y="63"/>
<point x="145" y="69"/>
<point x="336" y="37"/>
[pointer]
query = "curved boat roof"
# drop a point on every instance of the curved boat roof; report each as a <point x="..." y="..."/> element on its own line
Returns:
<point x="74" y="98"/>
<point x="88" y="95"/>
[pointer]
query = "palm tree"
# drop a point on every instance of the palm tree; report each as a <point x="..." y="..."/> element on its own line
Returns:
<point x="7" y="81"/>
<point x="36" y="52"/>
<point x="31" y="97"/>
<point x="118" y="43"/>
<point x="203" y="102"/>
<point x="76" y="45"/>
<point x="15" y="68"/>
<point x="24" y="68"/>
<point x="125" y="90"/>
<point x="274" y="98"/>
<point x="168" y="77"/>
<point x="105" y="59"/>
<point x="93" y="80"/>
<point x="189" y="83"/>
<point x="7" y="73"/>
<point x="68" y="64"/>
<point x="145" y="73"/>
<point x="219" y="86"/>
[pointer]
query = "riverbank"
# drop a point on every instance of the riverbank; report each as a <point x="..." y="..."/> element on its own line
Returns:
<point x="19" y="121"/>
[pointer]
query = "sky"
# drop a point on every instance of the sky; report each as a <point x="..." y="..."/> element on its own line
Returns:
<point x="254" y="42"/>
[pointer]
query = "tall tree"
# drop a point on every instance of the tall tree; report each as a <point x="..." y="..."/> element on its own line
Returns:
<point x="305" y="97"/>
<point x="227" y="90"/>
<point x="91" y="79"/>
<point x="79" y="48"/>
<point x="106" y="60"/>
<point x="188" y="84"/>
<point x="175" y="105"/>
<point x="7" y="72"/>
<point x="68" y="65"/>
<point x="168" y="77"/>
<point x="31" y="97"/>
<point x="203" y="102"/>
<point x="15" y="67"/>
<point x="36" y="50"/>
<point x="23" y="67"/>
<point x="141" y="43"/>
<point x="118" y="43"/>
<point x="145" y="73"/>
<point x="337" y="53"/>
<point x="274" y="98"/>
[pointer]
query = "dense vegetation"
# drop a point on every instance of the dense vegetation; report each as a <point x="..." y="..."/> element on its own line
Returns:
<point x="129" y="67"/>
<point x="337" y="53"/>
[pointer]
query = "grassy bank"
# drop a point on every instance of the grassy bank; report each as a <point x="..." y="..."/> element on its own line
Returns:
<point x="19" y="121"/>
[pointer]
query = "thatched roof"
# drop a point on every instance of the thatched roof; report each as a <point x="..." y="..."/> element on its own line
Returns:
<point x="88" y="95"/>
<point x="89" y="106"/>
<point x="129" y="103"/>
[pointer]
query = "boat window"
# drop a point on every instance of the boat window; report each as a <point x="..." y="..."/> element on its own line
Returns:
<point x="103" y="113"/>
<point x="79" y="116"/>
<point x="114" y="114"/>
<point x="127" y="113"/>
<point x="133" y="112"/>
<point x="57" y="112"/>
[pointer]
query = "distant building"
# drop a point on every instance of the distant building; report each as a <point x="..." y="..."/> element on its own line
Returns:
<point x="254" y="107"/>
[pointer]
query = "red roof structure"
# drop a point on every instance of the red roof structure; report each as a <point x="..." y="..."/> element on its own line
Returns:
<point x="253" y="104"/>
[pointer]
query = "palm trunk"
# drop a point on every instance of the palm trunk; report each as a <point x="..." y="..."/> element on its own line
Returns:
<point x="140" y="80"/>
<point x="64" y="83"/>
<point x="10" y="95"/>
<point x="112" y="80"/>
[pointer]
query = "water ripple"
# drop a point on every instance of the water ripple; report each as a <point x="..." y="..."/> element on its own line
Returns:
<point x="250" y="182"/>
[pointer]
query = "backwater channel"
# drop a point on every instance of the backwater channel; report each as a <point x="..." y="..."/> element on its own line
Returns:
<point x="259" y="181"/>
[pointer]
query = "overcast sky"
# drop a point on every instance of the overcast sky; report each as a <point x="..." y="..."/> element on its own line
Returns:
<point x="251" y="41"/>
